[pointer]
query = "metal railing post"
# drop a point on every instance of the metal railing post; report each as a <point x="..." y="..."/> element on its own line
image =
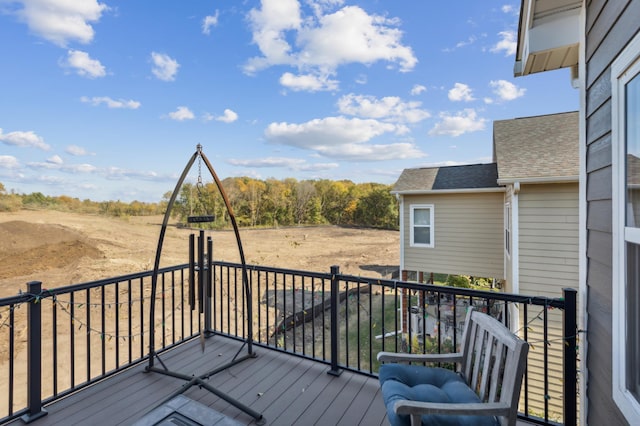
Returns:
<point x="34" y="355"/>
<point x="570" y="330"/>
<point x="335" y="306"/>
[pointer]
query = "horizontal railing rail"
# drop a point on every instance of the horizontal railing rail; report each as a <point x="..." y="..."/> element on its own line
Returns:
<point x="93" y="330"/>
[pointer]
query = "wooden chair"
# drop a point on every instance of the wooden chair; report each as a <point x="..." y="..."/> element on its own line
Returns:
<point x="484" y="391"/>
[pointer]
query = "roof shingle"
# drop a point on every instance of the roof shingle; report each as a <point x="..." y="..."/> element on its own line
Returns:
<point x="544" y="146"/>
<point x="448" y="178"/>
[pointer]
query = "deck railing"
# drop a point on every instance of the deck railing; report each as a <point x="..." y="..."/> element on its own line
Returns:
<point x="83" y="333"/>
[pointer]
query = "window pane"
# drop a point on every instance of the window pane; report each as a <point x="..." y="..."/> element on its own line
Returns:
<point x="422" y="235"/>
<point x="422" y="217"/>
<point x="633" y="151"/>
<point x="633" y="319"/>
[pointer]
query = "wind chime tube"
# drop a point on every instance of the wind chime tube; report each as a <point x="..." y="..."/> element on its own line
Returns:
<point x="201" y="272"/>
<point x="192" y="273"/>
<point x="208" y="285"/>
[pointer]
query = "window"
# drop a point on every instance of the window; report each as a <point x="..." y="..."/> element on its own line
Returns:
<point x="507" y="228"/>
<point x="421" y="225"/>
<point x="625" y="77"/>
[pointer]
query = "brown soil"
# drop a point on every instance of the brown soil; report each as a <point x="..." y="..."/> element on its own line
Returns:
<point x="66" y="248"/>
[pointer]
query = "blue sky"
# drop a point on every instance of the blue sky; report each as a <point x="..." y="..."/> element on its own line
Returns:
<point x="107" y="100"/>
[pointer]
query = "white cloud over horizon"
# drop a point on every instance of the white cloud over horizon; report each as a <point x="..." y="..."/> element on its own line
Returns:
<point x="342" y="138"/>
<point x="24" y="139"/>
<point x="388" y="108"/>
<point x="466" y="121"/>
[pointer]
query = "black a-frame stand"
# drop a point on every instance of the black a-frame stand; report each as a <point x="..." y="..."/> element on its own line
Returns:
<point x="204" y="287"/>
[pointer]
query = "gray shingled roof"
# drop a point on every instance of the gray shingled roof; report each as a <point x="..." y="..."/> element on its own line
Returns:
<point x="471" y="176"/>
<point x="539" y="147"/>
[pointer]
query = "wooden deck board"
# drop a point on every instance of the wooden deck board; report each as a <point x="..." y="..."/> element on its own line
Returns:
<point x="286" y="389"/>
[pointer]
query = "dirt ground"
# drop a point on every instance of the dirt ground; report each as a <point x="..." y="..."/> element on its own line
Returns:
<point x="67" y="248"/>
<point x="60" y="248"/>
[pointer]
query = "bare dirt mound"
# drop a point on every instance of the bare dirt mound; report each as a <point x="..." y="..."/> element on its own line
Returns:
<point x="26" y="247"/>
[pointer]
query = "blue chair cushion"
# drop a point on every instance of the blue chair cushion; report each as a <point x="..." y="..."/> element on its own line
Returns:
<point x="427" y="384"/>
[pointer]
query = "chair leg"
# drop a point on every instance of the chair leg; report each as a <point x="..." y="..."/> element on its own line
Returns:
<point x="416" y="420"/>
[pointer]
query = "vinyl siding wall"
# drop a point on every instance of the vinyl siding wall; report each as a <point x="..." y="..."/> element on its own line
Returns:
<point x="548" y="238"/>
<point x="610" y="25"/>
<point x="548" y="248"/>
<point x="468" y="235"/>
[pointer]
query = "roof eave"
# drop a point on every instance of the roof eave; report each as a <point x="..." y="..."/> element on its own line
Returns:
<point x="547" y="39"/>
<point x="550" y="179"/>
<point x="447" y="191"/>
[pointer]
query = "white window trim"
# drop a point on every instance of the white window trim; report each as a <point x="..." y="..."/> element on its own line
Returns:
<point x="626" y="65"/>
<point x="431" y="221"/>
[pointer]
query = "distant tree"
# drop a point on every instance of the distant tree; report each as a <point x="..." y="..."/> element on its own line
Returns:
<point x="303" y="194"/>
<point x="378" y="208"/>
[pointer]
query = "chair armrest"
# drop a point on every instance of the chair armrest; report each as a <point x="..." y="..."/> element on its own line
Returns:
<point x="402" y="357"/>
<point x="475" y="408"/>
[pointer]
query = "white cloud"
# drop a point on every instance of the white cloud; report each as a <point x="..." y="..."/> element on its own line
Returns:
<point x="465" y="121"/>
<point x="343" y="138"/>
<point x="389" y="108"/>
<point x="24" y="139"/>
<point x="8" y="162"/>
<point x="111" y="103"/>
<point x="71" y="168"/>
<point x="418" y="89"/>
<point x="296" y="164"/>
<point x="164" y="68"/>
<point x="55" y="159"/>
<point x="324" y="41"/>
<point x="308" y="82"/>
<point x="509" y="8"/>
<point x="210" y="21"/>
<point x="461" y="92"/>
<point x="76" y="150"/>
<point x="229" y="116"/>
<point x="267" y="162"/>
<point x="181" y="114"/>
<point x="84" y="65"/>
<point x="361" y="79"/>
<point x="62" y="21"/>
<point x="470" y="40"/>
<point x="507" y="43"/>
<point x="269" y="25"/>
<point x="506" y="91"/>
<point x="327" y="131"/>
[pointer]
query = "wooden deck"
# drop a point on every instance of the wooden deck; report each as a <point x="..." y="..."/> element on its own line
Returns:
<point x="285" y="389"/>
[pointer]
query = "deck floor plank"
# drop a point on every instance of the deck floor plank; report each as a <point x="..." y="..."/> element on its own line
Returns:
<point x="286" y="389"/>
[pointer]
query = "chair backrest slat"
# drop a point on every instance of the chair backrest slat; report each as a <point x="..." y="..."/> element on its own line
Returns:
<point x="489" y="350"/>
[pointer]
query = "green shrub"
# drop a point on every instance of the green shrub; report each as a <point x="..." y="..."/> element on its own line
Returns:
<point x="460" y="281"/>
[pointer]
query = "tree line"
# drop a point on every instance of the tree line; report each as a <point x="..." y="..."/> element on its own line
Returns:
<point x="255" y="203"/>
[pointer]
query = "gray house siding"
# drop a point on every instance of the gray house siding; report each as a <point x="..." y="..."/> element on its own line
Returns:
<point x="610" y="25"/>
